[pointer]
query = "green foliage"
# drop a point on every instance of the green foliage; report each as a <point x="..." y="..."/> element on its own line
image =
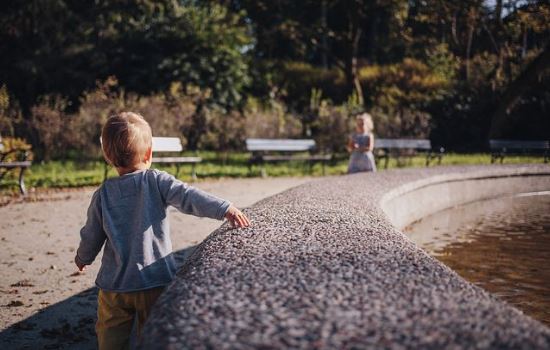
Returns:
<point x="298" y="79"/>
<point x="10" y="113"/>
<point x="15" y="149"/>
<point x="399" y="94"/>
<point x="214" y="72"/>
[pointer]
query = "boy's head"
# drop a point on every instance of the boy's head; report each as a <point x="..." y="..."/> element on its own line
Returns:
<point x="126" y="140"/>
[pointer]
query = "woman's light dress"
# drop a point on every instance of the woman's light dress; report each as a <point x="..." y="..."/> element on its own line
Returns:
<point x="361" y="161"/>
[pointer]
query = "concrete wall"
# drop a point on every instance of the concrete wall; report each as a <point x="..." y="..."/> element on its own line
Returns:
<point x="324" y="266"/>
<point x="413" y="201"/>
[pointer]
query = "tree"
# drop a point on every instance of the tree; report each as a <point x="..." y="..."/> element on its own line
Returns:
<point x="62" y="47"/>
<point x="522" y="84"/>
<point x="337" y="33"/>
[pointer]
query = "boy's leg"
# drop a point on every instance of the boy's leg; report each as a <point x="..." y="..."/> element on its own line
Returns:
<point x="115" y="316"/>
<point x="144" y="302"/>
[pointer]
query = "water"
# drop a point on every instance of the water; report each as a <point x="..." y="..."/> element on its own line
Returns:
<point x="501" y="245"/>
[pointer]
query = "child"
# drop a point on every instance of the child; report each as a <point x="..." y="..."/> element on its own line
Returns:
<point x="360" y="145"/>
<point x="128" y="215"/>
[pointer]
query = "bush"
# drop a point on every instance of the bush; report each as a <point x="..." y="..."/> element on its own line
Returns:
<point x="51" y="125"/>
<point x="16" y="149"/>
<point x="270" y="120"/>
<point x="10" y="113"/>
<point x="400" y="95"/>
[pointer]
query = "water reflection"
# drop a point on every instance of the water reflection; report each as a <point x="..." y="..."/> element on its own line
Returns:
<point x="501" y="245"/>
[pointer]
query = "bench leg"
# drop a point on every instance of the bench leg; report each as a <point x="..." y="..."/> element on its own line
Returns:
<point x="194" y="172"/>
<point x="263" y="172"/>
<point x="323" y="164"/>
<point x="177" y="170"/>
<point x="22" y="182"/>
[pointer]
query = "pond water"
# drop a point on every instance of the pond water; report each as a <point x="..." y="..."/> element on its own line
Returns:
<point x="501" y="245"/>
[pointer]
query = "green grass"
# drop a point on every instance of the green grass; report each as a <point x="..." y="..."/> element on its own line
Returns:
<point x="59" y="174"/>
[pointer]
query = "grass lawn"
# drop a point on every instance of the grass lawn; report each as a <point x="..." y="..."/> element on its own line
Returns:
<point x="58" y="174"/>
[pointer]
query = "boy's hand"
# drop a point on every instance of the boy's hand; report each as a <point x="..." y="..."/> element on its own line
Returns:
<point x="80" y="266"/>
<point x="236" y="217"/>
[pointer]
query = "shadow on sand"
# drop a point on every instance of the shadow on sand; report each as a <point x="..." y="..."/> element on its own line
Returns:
<point x="69" y="324"/>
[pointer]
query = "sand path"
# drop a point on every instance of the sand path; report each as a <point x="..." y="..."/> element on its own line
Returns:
<point x="44" y="301"/>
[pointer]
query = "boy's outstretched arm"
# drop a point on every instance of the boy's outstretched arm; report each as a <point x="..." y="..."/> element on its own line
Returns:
<point x="190" y="200"/>
<point x="92" y="235"/>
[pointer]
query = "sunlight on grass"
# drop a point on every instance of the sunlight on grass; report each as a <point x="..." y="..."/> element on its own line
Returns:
<point x="72" y="173"/>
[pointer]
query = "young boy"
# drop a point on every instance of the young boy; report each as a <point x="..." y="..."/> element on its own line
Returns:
<point x="128" y="215"/>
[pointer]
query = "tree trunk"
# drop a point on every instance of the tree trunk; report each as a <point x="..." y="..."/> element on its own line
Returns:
<point x="197" y="129"/>
<point x="498" y="14"/>
<point x="352" y="70"/>
<point x="324" y="40"/>
<point x="501" y="121"/>
<point x="470" y="39"/>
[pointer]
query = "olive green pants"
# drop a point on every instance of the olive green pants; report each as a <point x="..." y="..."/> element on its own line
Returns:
<point x="116" y="313"/>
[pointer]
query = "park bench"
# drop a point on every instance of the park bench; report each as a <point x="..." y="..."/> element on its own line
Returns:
<point x="171" y="145"/>
<point x="405" y="148"/>
<point x="20" y="163"/>
<point x="280" y="150"/>
<point x="502" y="148"/>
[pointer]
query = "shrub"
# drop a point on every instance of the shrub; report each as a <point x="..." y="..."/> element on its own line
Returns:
<point x="16" y="149"/>
<point x="10" y="113"/>
<point x="51" y="125"/>
<point x="270" y="120"/>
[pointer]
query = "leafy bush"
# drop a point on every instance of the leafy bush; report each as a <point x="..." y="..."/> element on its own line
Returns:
<point x="270" y="120"/>
<point x="16" y="149"/>
<point x="298" y="79"/>
<point x="10" y="113"/>
<point x="399" y="95"/>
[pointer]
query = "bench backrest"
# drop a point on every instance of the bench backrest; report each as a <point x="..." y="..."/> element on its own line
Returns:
<point x="164" y="144"/>
<point x="167" y="144"/>
<point x="423" y="144"/>
<point x="518" y="144"/>
<point x="281" y="145"/>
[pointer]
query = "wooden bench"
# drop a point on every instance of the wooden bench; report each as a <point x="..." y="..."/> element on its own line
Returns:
<point x="502" y="148"/>
<point x="21" y="163"/>
<point x="171" y="145"/>
<point x="399" y="148"/>
<point x="262" y="150"/>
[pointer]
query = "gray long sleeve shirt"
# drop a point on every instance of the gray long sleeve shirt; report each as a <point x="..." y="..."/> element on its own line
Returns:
<point x="129" y="215"/>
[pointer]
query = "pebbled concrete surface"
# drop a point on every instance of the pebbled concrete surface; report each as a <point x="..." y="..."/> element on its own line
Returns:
<point x="322" y="267"/>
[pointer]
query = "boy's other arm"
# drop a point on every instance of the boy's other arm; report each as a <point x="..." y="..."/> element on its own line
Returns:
<point x="191" y="200"/>
<point x="92" y="235"/>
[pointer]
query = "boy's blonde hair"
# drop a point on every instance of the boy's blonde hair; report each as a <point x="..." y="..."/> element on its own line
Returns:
<point x="126" y="137"/>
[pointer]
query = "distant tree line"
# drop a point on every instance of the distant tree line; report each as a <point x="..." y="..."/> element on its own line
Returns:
<point x="215" y="72"/>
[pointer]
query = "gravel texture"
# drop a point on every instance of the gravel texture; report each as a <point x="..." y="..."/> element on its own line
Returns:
<point x="322" y="267"/>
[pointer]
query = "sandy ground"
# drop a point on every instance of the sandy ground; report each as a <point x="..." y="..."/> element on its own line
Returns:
<point x="44" y="301"/>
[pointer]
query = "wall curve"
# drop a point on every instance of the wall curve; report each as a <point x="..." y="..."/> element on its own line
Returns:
<point x="325" y="266"/>
<point x="413" y="201"/>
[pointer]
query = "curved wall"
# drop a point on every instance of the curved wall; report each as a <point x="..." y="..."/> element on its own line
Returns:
<point x="324" y="266"/>
<point x="413" y="201"/>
